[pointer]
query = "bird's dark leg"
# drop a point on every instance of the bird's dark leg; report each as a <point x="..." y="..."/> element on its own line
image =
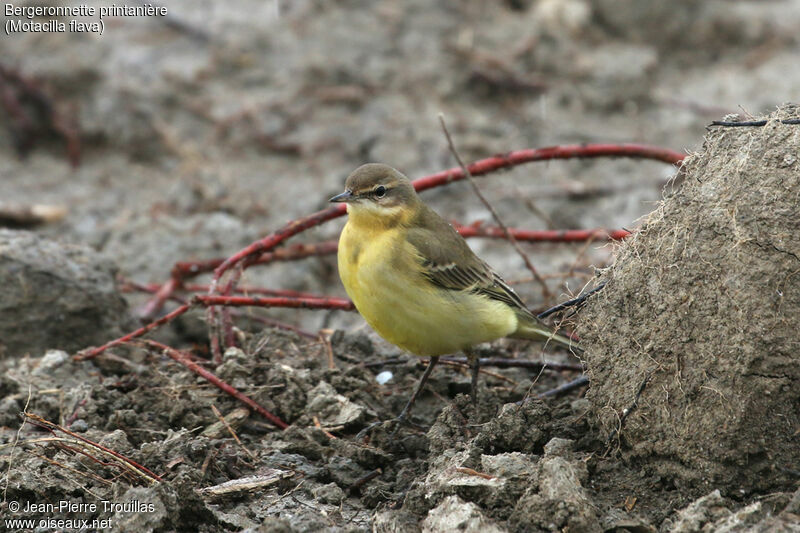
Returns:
<point x="475" y="365"/>
<point x="407" y="409"/>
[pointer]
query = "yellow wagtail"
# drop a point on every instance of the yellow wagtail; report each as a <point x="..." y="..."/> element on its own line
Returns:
<point x="415" y="280"/>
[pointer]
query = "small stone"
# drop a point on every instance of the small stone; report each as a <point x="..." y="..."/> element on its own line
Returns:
<point x="117" y="440"/>
<point x="693" y="517"/>
<point x="509" y="465"/>
<point x="560" y="479"/>
<point x="558" y="447"/>
<point x="330" y="493"/>
<point x="331" y="408"/>
<point x="140" y="509"/>
<point x="384" y="377"/>
<point x="580" y="405"/>
<point x="79" y="426"/>
<point x="52" y="359"/>
<point x="454" y="514"/>
<point x="391" y="521"/>
<point x="68" y="294"/>
<point x="236" y="354"/>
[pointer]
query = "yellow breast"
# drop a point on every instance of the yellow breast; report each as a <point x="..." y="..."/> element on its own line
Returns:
<point x="381" y="273"/>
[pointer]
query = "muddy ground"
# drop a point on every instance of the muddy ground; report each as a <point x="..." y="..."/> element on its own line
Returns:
<point x="188" y="137"/>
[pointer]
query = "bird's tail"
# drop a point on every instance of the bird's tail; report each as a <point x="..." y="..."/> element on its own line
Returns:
<point x="535" y="330"/>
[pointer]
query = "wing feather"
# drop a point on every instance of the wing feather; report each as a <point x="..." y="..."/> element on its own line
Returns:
<point x="449" y="263"/>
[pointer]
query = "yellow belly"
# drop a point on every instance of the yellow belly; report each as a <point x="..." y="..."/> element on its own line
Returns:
<point x="381" y="274"/>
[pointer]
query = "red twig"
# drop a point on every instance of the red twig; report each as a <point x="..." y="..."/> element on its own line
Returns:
<point x="255" y="301"/>
<point x="307" y="302"/>
<point x="271" y="241"/>
<point x="184" y="360"/>
<point x="94" y="352"/>
<point x="574" y="151"/>
<point x="162" y="294"/>
<point x="290" y="253"/>
<point x="41" y="422"/>
<point x="248" y="256"/>
<point x="155" y="287"/>
<point x="564" y="235"/>
<point x="186" y="269"/>
<point x="129" y="286"/>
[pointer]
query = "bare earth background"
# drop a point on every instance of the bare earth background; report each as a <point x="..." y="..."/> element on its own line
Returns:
<point x="203" y="131"/>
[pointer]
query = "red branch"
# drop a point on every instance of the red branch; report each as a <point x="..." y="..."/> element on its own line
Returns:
<point x="183" y="359"/>
<point x="41" y="422"/>
<point x="127" y="285"/>
<point x="559" y="235"/>
<point x="154" y="287"/>
<point x="290" y="253"/>
<point x="169" y="317"/>
<point x="304" y="302"/>
<point x="530" y="155"/>
<point x="341" y="304"/>
<point x="160" y="296"/>
<point x="271" y="241"/>
<point x="187" y="269"/>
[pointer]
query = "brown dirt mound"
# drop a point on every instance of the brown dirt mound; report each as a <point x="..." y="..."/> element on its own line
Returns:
<point x="55" y="296"/>
<point x="704" y="304"/>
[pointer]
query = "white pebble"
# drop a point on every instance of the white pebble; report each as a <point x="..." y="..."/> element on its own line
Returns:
<point x="384" y="377"/>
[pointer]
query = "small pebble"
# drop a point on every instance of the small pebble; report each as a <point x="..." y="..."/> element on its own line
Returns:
<point x="235" y="354"/>
<point x="330" y="493"/>
<point x="79" y="426"/>
<point x="51" y="360"/>
<point x="384" y="377"/>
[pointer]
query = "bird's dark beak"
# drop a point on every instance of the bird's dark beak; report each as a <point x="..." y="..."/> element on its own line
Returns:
<point x="346" y="196"/>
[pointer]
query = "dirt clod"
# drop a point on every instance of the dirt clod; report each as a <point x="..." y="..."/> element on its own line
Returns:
<point x="55" y="296"/>
<point x="704" y="306"/>
<point x="454" y="514"/>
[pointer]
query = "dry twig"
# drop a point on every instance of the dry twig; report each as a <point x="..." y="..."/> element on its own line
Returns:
<point x="122" y="462"/>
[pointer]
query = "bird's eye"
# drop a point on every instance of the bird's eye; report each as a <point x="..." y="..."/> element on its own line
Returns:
<point x="380" y="191"/>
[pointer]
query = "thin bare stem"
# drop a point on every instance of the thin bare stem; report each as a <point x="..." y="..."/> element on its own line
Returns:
<point x="129" y="464"/>
<point x="94" y="352"/>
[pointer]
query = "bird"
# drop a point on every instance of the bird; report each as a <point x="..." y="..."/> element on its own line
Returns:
<point x="417" y="282"/>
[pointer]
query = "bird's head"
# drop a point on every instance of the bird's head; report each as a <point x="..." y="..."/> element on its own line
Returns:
<point x="379" y="192"/>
